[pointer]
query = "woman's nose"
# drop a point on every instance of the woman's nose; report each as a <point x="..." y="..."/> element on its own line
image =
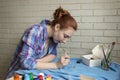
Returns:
<point x="64" y="40"/>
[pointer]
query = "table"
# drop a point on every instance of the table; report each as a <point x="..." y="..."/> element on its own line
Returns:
<point x="74" y="70"/>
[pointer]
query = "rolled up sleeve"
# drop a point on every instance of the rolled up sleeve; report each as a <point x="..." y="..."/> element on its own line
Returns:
<point x="28" y="60"/>
<point x="30" y="40"/>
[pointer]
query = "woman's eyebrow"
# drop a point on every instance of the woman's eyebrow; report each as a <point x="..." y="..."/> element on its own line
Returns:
<point x="66" y="35"/>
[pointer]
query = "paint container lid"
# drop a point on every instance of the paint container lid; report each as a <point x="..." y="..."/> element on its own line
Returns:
<point x="26" y="77"/>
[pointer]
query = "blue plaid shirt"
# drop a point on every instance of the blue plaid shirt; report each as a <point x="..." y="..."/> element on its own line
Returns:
<point x="30" y="48"/>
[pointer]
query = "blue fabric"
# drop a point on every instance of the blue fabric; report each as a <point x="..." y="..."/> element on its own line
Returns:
<point x="74" y="70"/>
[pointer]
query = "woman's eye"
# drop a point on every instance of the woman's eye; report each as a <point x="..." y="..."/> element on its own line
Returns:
<point x="66" y="36"/>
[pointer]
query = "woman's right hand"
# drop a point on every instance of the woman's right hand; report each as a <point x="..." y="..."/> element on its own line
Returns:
<point x="64" y="60"/>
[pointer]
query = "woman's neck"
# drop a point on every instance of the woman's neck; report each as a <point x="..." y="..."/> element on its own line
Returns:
<point x="49" y="31"/>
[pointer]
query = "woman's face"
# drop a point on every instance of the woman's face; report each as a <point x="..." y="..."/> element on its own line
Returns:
<point x="62" y="35"/>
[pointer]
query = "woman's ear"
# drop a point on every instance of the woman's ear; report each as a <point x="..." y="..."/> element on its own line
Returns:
<point x="57" y="27"/>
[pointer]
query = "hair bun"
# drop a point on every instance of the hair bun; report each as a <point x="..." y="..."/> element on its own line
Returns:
<point x="59" y="13"/>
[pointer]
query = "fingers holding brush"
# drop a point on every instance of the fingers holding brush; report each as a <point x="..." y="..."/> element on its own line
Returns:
<point x="65" y="60"/>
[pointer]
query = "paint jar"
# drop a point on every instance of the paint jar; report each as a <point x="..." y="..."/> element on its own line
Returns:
<point x="41" y="76"/>
<point x="26" y="77"/>
<point x="48" y="77"/>
<point x="31" y="76"/>
<point x="36" y="79"/>
<point x="16" y="76"/>
<point x="105" y="64"/>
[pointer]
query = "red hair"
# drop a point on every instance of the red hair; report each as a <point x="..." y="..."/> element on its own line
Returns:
<point x="64" y="18"/>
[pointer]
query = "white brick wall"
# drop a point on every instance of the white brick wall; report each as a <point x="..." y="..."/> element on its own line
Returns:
<point x="98" y="22"/>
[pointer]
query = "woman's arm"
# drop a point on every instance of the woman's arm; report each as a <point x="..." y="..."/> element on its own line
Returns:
<point x="47" y="58"/>
<point x="64" y="60"/>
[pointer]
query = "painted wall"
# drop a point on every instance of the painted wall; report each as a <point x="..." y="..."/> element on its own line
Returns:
<point x="98" y="22"/>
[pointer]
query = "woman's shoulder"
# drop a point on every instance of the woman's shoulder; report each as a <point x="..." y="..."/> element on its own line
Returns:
<point x="41" y="25"/>
<point x="35" y="27"/>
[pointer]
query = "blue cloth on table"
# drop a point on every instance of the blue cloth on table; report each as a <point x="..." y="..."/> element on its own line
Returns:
<point x="74" y="70"/>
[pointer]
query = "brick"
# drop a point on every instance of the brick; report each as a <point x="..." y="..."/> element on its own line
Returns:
<point x="85" y="26"/>
<point x="4" y="36"/>
<point x="14" y="36"/>
<point x="115" y="59"/>
<point x="104" y="39"/>
<point x="74" y="44"/>
<point x="67" y="45"/>
<point x="89" y="45"/>
<point x="26" y="14"/>
<point x="112" y="33"/>
<point x="4" y="31"/>
<point x="4" y="46"/>
<point x="0" y="25"/>
<point x="82" y="12"/>
<point x="4" y="49"/>
<point x="15" y="26"/>
<point x="91" y="32"/>
<point x="74" y="55"/>
<point x="12" y="48"/>
<point x="112" y="19"/>
<point x="118" y="26"/>
<point x="75" y="38"/>
<point x="82" y="39"/>
<point x="77" y="19"/>
<point x="14" y="3"/>
<point x="17" y="31"/>
<point x="5" y="26"/>
<point x="113" y="5"/>
<point x="118" y="11"/>
<point x="4" y="41"/>
<point x="114" y="54"/>
<point x="118" y="53"/>
<point x="105" y="26"/>
<point x="105" y="12"/>
<point x="118" y="40"/>
<point x="92" y="19"/>
<point x="99" y="1"/>
<point x="71" y="6"/>
<point x="14" y="41"/>
<point x="21" y="20"/>
<point x="117" y="47"/>
<point x="42" y="2"/>
<point x="77" y="33"/>
<point x="77" y="1"/>
<point x="6" y="58"/>
<point x="79" y="51"/>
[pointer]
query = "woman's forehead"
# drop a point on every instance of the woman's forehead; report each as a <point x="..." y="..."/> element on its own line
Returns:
<point x="68" y="30"/>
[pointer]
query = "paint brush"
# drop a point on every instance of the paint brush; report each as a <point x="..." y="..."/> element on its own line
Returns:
<point x="105" y="56"/>
<point x="109" y="53"/>
<point x="65" y="53"/>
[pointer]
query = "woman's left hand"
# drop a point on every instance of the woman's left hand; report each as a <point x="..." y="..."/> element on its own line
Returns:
<point x="64" y="60"/>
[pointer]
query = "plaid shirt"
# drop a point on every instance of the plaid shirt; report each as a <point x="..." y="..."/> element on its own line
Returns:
<point x="30" y="48"/>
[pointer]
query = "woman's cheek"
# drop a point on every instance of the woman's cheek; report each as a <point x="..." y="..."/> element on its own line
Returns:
<point x="60" y="37"/>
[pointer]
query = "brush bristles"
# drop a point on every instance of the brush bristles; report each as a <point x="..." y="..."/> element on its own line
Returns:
<point x="113" y="43"/>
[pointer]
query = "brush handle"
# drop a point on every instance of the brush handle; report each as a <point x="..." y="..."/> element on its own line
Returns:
<point x="105" y="57"/>
<point x="112" y="46"/>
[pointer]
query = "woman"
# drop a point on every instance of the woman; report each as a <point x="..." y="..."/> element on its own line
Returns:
<point x="38" y="45"/>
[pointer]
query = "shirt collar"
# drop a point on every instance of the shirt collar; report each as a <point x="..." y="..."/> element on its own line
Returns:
<point x="43" y="24"/>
